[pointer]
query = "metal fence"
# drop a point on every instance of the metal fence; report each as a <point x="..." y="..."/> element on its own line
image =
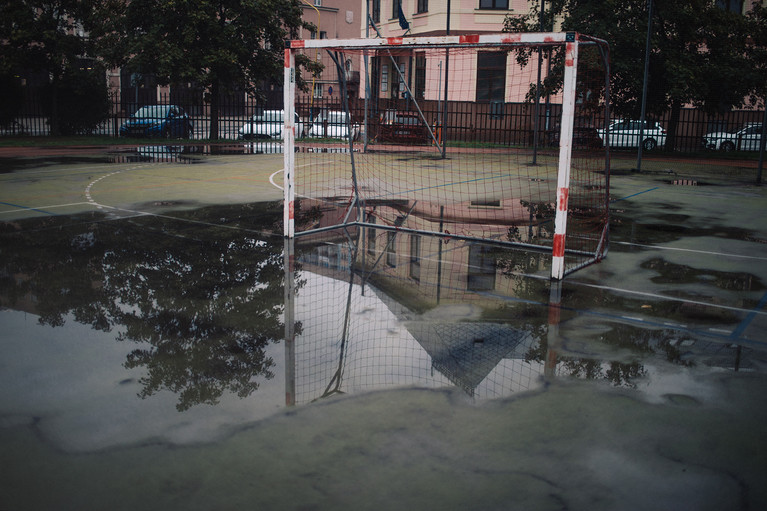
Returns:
<point x="494" y="123"/>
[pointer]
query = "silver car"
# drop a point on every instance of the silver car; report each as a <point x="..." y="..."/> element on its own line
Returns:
<point x="625" y="133"/>
<point x="333" y="124"/>
<point x="269" y="125"/>
<point x="746" y="138"/>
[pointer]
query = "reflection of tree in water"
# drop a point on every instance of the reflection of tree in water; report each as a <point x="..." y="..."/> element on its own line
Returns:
<point x="203" y="300"/>
<point x="639" y="341"/>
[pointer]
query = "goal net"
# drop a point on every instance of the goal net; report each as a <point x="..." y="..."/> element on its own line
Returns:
<point x="478" y="137"/>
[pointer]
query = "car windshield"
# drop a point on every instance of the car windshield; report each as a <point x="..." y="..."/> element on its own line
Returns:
<point x="336" y="118"/>
<point x="152" y="112"/>
<point x="269" y="116"/>
<point x="407" y="119"/>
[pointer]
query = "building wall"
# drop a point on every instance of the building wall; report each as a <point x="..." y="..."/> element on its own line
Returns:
<point x="466" y="17"/>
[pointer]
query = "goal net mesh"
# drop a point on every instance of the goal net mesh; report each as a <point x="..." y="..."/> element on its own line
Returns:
<point x="457" y="141"/>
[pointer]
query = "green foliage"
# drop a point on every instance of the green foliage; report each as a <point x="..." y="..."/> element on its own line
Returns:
<point x="700" y="53"/>
<point x="44" y="36"/>
<point x="227" y="43"/>
<point x="756" y="49"/>
<point x="41" y="34"/>
<point x="13" y="96"/>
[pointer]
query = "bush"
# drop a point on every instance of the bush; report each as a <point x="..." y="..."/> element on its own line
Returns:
<point x="83" y="100"/>
<point x="13" y="99"/>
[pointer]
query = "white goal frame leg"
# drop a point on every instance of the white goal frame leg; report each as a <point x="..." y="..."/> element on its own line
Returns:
<point x="289" y="136"/>
<point x="565" y="156"/>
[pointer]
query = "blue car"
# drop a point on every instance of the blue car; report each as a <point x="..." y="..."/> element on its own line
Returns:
<point x="154" y="121"/>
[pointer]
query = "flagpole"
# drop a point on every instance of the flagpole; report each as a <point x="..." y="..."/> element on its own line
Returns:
<point x="443" y="128"/>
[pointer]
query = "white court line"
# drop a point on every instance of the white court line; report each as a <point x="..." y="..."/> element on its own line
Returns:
<point x="52" y="206"/>
<point x="271" y="178"/>
<point x="705" y="252"/>
<point x="90" y="185"/>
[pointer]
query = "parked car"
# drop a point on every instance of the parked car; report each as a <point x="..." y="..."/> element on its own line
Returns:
<point x="402" y="127"/>
<point x="269" y="125"/>
<point x="625" y="133"/>
<point x="745" y="138"/>
<point x="333" y="124"/>
<point x="585" y="136"/>
<point x="168" y="121"/>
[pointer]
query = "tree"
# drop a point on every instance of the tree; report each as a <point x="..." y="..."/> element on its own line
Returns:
<point x="217" y="44"/>
<point x="697" y="57"/>
<point x="48" y="36"/>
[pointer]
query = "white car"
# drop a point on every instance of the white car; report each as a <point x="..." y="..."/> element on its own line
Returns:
<point x="269" y="125"/>
<point x="746" y="138"/>
<point x="625" y="133"/>
<point x="333" y="124"/>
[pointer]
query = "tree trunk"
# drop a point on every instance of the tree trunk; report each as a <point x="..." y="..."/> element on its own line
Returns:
<point x="673" y="123"/>
<point x="214" y="110"/>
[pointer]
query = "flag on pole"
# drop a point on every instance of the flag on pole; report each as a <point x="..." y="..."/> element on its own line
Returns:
<point x="402" y="21"/>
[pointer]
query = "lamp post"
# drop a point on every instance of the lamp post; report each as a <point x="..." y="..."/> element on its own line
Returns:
<point x="443" y="127"/>
<point x="536" y="121"/>
<point x="644" y="85"/>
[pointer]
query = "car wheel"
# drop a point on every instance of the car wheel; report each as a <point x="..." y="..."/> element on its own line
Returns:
<point x="728" y="147"/>
<point x="649" y="144"/>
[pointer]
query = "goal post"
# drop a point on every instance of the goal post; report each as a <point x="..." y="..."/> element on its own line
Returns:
<point x="456" y="137"/>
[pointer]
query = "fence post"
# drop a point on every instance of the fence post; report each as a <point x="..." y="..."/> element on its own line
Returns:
<point x="762" y="143"/>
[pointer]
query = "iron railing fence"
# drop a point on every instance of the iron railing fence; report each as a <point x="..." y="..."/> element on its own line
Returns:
<point x="505" y="124"/>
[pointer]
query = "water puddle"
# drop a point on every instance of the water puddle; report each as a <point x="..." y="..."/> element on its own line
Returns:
<point x="207" y="331"/>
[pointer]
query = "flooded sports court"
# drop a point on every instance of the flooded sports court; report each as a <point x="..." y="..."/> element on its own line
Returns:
<point x="164" y="346"/>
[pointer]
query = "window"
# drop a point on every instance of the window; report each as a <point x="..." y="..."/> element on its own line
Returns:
<point x="323" y="34"/>
<point x="481" y="275"/>
<point x="493" y="4"/>
<point x="391" y="254"/>
<point x="422" y="6"/>
<point x="317" y="91"/>
<point x="415" y="257"/>
<point x="371" y="235"/>
<point x="420" y="76"/>
<point x="384" y="78"/>
<point x="491" y="76"/>
<point x="375" y="11"/>
<point x="401" y="82"/>
<point x="396" y="5"/>
<point x="318" y="3"/>
<point x="731" y="5"/>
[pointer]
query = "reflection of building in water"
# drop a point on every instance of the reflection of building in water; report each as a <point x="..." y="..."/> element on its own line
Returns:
<point x="370" y="325"/>
<point x="506" y="221"/>
<point x="406" y="309"/>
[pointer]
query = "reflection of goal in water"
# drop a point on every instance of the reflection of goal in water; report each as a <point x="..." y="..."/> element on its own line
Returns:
<point x="543" y="187"/>
<point x="346" y="334"/>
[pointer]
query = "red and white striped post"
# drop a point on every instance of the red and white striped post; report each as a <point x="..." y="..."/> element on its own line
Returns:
<point x="565" y="154"/>
<point x="552" y="335"/>
<point x="289" y="135"/>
